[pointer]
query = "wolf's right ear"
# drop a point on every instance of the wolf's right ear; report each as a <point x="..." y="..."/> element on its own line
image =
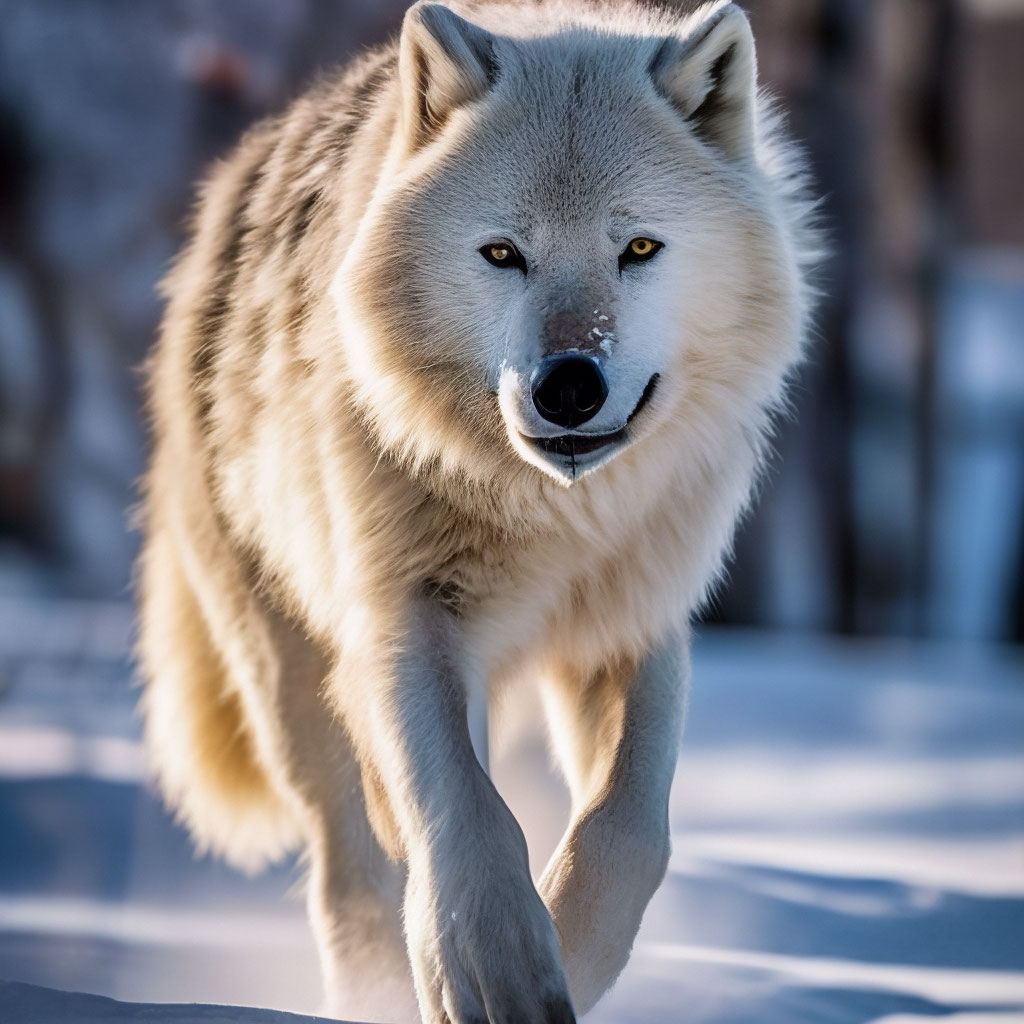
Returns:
<point x="444" y="62"/>
<point x="710" y="76"/>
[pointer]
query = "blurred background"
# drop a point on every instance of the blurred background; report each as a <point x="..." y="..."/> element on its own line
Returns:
<point x="872" y="679"/>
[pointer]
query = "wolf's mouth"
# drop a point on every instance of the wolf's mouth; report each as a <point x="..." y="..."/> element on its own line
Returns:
<point x="571" y="446"/>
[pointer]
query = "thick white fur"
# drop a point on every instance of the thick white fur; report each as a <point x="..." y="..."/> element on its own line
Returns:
<point x="354" y="534"/>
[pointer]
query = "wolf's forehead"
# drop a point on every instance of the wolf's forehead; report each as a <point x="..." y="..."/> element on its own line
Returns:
<point x="579" y="133"/>
<point x="580" y="79"/>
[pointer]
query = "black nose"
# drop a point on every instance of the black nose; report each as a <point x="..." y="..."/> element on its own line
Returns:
<point x="569" y="390"/>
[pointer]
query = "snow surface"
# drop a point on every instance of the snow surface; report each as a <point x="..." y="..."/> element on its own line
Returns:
<point x="848" y="825"/>
<point x="30" y="1004"/>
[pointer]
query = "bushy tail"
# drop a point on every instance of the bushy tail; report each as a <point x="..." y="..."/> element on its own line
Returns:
<point x="195" y="727"/>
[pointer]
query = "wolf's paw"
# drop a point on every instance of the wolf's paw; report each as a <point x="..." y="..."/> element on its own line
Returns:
<point x="484" y="952"/>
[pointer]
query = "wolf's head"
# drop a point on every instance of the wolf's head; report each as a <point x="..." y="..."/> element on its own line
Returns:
<point x="575" y="240"/>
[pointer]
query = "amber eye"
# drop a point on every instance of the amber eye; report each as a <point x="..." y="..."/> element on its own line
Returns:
<point x="639" y="250"/>
<point x="503" y="254"/>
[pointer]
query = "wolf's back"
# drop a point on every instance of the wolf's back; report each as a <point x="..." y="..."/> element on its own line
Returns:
<point x="256" y="221"/>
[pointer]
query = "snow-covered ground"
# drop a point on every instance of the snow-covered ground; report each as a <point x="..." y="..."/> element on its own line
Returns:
<point x="848" y="825"/>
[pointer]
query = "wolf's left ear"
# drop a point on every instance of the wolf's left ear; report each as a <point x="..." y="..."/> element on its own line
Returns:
<point x="710" y="76"/>
<point x="445" y="62"/>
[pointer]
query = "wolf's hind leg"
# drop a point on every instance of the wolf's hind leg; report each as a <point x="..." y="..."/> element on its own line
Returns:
<point x="354" y="905"/>
<point x="354" y="892"/>
<point x="617" y="735"/>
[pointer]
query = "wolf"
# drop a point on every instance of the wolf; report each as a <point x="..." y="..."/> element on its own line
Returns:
<point x="466" y="374"/>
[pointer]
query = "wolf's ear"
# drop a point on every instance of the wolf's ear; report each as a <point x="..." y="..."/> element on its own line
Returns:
<point x="710" y="76"/>
<point x="444" y="63"/>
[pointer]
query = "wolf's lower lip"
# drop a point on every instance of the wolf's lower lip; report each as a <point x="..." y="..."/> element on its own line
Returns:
<point x="573" y="445"/>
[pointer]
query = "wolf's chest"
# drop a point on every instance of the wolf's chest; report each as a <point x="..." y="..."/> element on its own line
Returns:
<point x="515" y="604"/>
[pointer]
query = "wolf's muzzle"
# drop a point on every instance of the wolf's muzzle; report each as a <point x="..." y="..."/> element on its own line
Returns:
<point x="576" y="445"/>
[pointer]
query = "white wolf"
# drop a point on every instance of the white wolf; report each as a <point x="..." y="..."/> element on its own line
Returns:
<point x="465" y="375"/>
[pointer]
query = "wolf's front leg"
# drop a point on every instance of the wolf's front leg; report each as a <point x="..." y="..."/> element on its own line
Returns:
<point x="481" y="942"/>
<point x="617" y="735"/>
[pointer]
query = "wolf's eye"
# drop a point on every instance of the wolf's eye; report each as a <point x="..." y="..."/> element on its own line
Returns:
<point x="503" y="254"/>
<point x="639" y="250"/>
